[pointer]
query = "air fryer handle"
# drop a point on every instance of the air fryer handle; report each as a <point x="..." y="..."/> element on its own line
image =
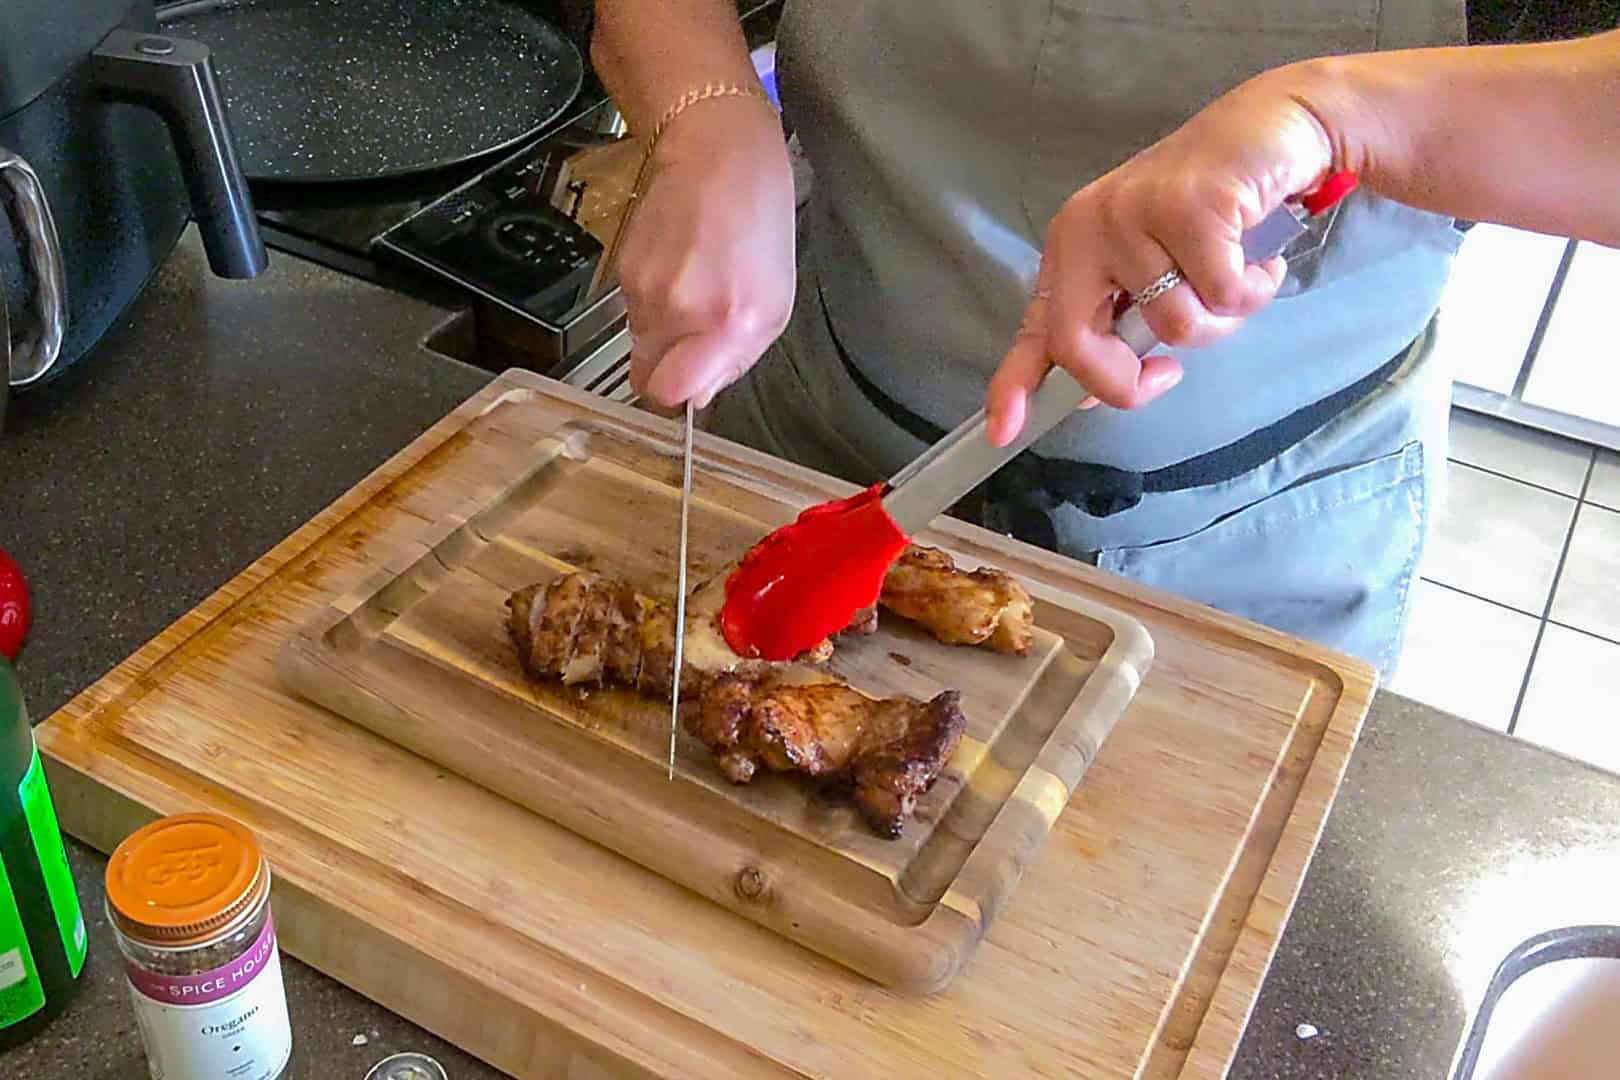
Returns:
<point x="33" y="355"/>
<point x="175" y="78"/>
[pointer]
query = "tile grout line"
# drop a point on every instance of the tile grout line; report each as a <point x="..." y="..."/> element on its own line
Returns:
<point x="1583" y="633"/>
<point x="1460" y="591"/>
<point x="1532" y="351"/>
<point x="1589" y="501"/>
<point x="1552" y="594"/>
<point x="1511" y="610"/>
<point x="1516" y="479"/>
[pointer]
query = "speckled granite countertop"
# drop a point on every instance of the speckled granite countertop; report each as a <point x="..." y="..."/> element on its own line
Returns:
<point x="221" y="415"/>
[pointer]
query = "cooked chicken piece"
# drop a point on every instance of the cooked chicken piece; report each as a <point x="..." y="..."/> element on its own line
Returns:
<point x="890" y="750"/>
<point x="865" y="621"/>
<point x="655" y="636"/>
<point x="588" y="631"/>
<point x="545" y="633"/>
<point x="960" y="607"/>
<point x="606" y="616"/>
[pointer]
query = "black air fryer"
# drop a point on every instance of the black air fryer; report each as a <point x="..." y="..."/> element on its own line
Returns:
<point x="111" y="138"/>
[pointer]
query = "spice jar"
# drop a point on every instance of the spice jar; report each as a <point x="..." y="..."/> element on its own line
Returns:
<point x="189" y="899"/>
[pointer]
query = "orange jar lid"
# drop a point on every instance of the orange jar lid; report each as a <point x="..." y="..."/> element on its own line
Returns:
<point x="185" y="878"/>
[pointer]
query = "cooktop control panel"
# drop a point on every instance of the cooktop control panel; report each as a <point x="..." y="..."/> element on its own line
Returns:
<point x="505" y="237"/>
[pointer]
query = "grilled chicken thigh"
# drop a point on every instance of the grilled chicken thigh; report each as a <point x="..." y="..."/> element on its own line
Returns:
<point x="978" y="607"/>
<point x="888" y="750"/>
<point x="587" y="630"/>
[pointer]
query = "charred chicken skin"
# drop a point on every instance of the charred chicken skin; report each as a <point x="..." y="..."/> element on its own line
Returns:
<point x="586" y="630"/>
<point x="977" y="607"/>
<point x="889" y="751"/>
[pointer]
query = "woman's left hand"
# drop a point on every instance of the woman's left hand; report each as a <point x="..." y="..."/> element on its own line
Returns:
<point x="1183" y="204"/>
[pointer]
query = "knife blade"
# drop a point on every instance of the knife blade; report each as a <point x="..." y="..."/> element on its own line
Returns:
<point x="680" y="585"/>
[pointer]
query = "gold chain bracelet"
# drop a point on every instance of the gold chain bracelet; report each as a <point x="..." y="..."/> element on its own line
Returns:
<point x="692" y="97"/>
<point x="707" y="92"/>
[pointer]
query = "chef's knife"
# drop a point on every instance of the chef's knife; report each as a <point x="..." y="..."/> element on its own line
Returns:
<point x="680" y="586"/>
<point x="607" y="277"/>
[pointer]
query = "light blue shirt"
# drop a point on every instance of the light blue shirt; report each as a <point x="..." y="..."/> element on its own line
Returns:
<point x="944" y="135"/>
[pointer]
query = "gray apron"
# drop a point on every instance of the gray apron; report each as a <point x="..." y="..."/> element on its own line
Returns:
<point x="942" y="138"/>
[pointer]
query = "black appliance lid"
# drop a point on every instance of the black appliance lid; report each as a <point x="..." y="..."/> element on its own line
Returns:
<point x="340" y="91"/>
<point x="42" y="41"/>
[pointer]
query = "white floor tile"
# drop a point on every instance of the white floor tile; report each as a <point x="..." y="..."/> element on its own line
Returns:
<point x="1570" y="703"/>
<point x="1575" y="370"/>
<point x="1493" y="300"/>
<point x="1520" y="452"/>
<point x="1464" y="655"/>
<point x="1497" y="538"/>
<point x="1589" y="588"/>
<point x="1605" y="488"/>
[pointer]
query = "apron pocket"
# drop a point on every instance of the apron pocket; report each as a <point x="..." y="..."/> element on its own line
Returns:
<point x="1330" y="559"/>
<point x="1114" y="76"/>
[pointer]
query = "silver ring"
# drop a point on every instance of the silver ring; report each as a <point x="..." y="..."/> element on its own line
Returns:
<point x="1163" y="284"/>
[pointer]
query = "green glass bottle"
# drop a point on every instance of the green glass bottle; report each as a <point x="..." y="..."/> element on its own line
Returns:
<point x="42" y="934"/>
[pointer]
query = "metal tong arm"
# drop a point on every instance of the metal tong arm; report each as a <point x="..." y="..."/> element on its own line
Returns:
<point x="965" y="458"/>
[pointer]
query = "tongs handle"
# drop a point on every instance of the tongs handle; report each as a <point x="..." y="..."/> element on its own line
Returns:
<point x="945" y="472"/>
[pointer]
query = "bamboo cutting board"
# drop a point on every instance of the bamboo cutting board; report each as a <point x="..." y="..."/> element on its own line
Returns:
<point x="420" y="655"/>
<point x="1134" y="945"/>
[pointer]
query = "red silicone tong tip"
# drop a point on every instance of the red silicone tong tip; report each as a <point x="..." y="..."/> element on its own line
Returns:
<point x="805" y="581"/>
<point x="1333" y="189"/>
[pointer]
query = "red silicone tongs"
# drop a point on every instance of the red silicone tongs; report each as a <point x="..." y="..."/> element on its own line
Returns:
<point x="805" y="581"/>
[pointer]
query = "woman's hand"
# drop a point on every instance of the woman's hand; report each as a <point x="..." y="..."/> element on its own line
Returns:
<point x="707" y="265"/>
<point x="1183" y="203"/>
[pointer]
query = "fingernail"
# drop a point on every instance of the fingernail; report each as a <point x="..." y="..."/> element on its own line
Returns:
<point x="705" y="397"/>
<point x="1090" y="403"/>
<point x="1161" y="382"/>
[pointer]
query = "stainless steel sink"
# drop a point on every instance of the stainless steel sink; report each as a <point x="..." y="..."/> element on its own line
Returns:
<point x="1552" y="1010"/>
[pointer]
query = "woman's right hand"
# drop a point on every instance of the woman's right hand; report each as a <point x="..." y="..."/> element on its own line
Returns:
<point x="707" y="264"/>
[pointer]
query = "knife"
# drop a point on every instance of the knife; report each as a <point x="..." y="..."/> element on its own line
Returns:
<point x="607" y="277"/>
<point x="680" y="585"/>
<point x="958" y="463"/>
